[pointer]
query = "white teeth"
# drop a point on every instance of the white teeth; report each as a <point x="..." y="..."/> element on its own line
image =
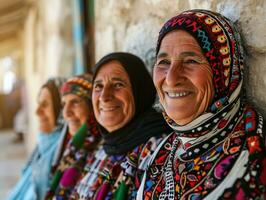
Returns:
<point x="108" y="109"/>
<point x="177" y="94"/>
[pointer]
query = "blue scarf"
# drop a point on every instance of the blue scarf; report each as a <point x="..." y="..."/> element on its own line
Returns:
<point x="35" y="175"/>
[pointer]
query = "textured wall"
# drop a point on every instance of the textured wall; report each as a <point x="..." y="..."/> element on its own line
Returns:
<point x="47" y="51"/>
<point x="133" y="25"/>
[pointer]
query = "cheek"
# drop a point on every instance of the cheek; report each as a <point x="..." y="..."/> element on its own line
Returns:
<point x="200" y="79"/>
<point x="94" y="97"/>
<point x="52" y="118"/>
<point x="95" y="101"/>
<point x="64" y="113"/>
<point x="203" y="83"/>
<point x="83" y="114"/>
<point x="158" y="77"/>
<point x="129" y="106"/>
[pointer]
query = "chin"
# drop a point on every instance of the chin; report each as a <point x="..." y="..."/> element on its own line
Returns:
<point x="45" y="131"/>
<point x="181" y="119"/>
<point x="73" y="130"/>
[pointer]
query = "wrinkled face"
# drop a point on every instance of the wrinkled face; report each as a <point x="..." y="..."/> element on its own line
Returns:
<point x="75" y="111"/>
<point x="183" y="77"/>
<point x="112" y="97"/>
<point x="45" y="111"/>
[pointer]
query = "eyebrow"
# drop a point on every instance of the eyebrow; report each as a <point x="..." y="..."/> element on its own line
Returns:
<point x="162" y="55"/>
<point x="186" y="53"/>
<point x="113" y="79"/>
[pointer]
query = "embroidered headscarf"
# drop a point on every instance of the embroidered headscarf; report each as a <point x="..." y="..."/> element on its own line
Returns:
<point x="79" y="85"/>
<point x="215" y="155"/>
<point x="220" y="43"/>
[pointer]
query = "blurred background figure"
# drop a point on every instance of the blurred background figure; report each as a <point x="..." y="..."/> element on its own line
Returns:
<point x="20" y="122"/>
<point x="78" y="140"/>
<point x="35" y="179"/>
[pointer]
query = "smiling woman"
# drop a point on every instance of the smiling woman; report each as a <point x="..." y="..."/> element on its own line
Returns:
<point x="183" y="77"/>
<point x="76" y="102"/>
<point x="79" y="139"/>
<point x="35" y="177"/>
<point x="123" y="95"/>
<point x="45" y="111"/>
<point x="217" y="148"/>
<point x="113" y="100"/>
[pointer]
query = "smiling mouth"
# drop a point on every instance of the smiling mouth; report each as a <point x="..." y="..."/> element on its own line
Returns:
<point x="177" y="94"/>
<point x="73" y="122"/>
<point x="109" y="109"/>
<point x="43" y="120"/>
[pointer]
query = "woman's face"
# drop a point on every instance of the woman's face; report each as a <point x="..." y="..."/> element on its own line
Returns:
<point x="112" y="97"/>
<point x="45" y="111"/>
<point x="183" y="77"/>
<point x="75" y="112"/>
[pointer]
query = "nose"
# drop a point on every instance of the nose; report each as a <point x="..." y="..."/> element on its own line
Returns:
<point x="67" y="111"/>
<point x="106" y="94"/>
<point x="175" y="74"/>
<point x="38" y="110"/>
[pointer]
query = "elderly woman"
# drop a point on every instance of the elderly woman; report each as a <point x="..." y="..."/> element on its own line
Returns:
<point x="35" y="178"/>
<point x="80" y="139"/>
<point x="122" y="97"/>
<point x="217" y="149"/>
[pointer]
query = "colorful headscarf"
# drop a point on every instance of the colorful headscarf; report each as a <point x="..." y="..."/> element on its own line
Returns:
<point x="79" y="85"/>
<point x="220" y="154"/>
<point x="220" y="43"/>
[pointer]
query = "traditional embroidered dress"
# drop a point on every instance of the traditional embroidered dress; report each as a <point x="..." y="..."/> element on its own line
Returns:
<point x="72" y="152"/>
<point x="69" y="171"/>
<point x="111" y="173"/>
<point x="35" y="175"/>
<point x="220" y="154"/>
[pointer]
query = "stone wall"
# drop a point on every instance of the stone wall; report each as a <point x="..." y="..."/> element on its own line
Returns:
<point x="47" y="51"/>
<point x="133" y="25"/>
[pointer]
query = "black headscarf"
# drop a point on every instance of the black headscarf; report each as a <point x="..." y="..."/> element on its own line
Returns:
<point x="144" y="91"/>
<point x="147" y="122"/>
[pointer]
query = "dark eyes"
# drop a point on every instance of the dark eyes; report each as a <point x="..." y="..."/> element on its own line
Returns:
<point x="74" y="103"/>
<point x="43" y="104"/>
<point x="97" y="86"/>
<point x="164" y="63"/>
<point x="191" y="61"/>
<point x="115" y="85"/>
<point x="118" y="85"/>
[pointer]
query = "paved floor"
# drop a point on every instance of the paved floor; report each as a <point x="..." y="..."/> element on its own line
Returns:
<point x="12" y="159"/>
